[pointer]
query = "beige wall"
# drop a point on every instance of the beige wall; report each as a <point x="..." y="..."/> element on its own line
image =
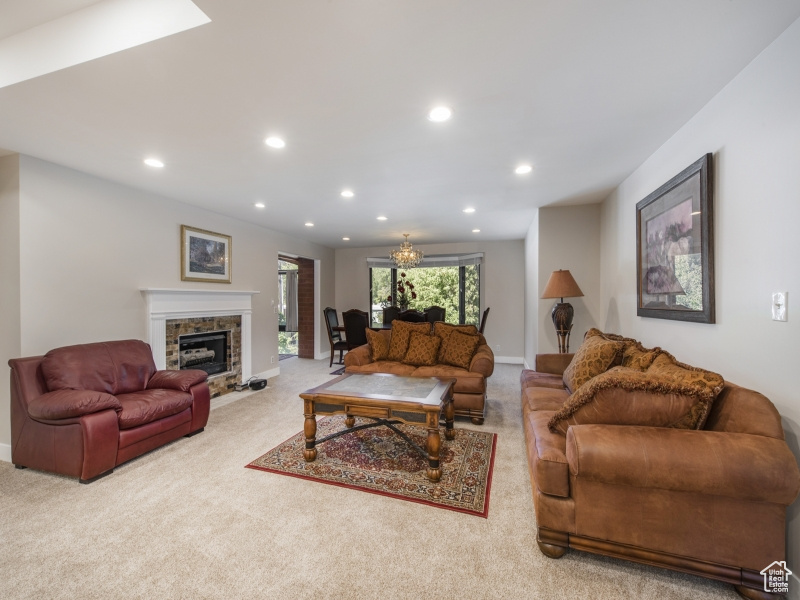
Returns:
<point x="753" y="129"/>
<point x="531" y="327"/>
<point x="87" y="246"/>
<point x="569" y="238"/>
<point x="9" y="286"/>
<point x="502" y="287"/>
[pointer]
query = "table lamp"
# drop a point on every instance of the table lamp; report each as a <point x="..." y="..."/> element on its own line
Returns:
<point x="562" y="285"/>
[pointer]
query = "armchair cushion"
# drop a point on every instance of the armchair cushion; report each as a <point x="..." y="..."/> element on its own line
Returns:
<point x="422" y="349"/>
<point x="147" y="406"/>
<point x="66" y="404"/>
<point x="181" y="381"/>
<point x="596" y="355"/>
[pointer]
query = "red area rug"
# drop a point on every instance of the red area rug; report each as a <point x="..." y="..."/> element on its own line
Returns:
<point x="379" y="461"/>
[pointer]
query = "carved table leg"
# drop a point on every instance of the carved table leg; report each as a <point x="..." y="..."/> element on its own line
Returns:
<point x="449" y="417"/>
<point x="310" y="429"/>
<point x="434" y="472"/>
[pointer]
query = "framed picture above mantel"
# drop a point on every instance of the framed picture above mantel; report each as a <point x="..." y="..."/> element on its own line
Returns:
<point x="205" y="255"/>
<point x="675" y="247"/>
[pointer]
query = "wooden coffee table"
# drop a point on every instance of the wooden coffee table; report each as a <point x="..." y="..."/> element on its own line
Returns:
<point x="386" y="400"/>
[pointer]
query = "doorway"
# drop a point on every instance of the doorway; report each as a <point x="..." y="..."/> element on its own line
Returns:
<point x="288" y="317"/>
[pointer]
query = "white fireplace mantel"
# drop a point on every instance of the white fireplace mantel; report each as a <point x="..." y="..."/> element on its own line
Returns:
<point x="164" y="304"/>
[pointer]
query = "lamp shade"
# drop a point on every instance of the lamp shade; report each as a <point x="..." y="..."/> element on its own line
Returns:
<point x="561" y="285"/>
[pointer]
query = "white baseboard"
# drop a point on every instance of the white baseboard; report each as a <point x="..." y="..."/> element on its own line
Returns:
<point x="267" y="374"/>
<point x="5" y="452"/>
<point x="322" y="355"/>
<point x="509" y="360"/>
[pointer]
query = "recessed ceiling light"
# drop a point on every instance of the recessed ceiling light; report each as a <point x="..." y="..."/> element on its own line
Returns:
<point x="382" y="218"/>
<point x="523" y="169"/>
<point x="260" y="205"/>
<point x="347" y="193"/>
<point x="476" y="231"/>
<point x="346" y="239"/>
<point x="309" y="224"/>
<point x="439" y="114"/>
<point x="469" y="210"/>
<point x="274" y="142"/>
<point x="153" y="162"/>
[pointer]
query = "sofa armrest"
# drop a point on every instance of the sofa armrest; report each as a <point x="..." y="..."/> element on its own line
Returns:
<point x="554" y="364"/>
<point x="483" y="361"/>
<point x="735" y="465"/>
<point x="358" y="356"/>
<point x="181" y="381"/>
<point x="68" y="404"/>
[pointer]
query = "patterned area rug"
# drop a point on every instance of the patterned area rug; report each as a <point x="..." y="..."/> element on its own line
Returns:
<point x="338" y="371"/>
<point x="379" y="461"/>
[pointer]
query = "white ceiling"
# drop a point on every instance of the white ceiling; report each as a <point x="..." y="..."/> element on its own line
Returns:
<point x="583" y="90"/>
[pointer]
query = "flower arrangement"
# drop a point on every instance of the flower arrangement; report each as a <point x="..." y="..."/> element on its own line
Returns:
<point x="405" y="292"/>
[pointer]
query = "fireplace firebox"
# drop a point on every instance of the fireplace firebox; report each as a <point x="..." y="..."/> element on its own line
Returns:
<point x="205" y="351"/>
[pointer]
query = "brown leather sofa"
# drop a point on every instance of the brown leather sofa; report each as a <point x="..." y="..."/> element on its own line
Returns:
<point x="469" y="392"/>
<point x="82" y="410"/>
<point x="710" y="502"/>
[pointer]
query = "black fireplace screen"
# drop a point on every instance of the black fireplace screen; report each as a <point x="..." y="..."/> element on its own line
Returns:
<point x="205" y="351"/>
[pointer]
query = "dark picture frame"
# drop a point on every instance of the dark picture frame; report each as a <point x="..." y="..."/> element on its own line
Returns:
<point x="675" y="248"/>
<point x="205" y="255"/>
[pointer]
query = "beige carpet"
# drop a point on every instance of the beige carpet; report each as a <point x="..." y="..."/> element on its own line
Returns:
<point x="189" y="521"/>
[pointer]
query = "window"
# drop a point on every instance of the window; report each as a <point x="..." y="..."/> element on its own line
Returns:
<point x="455" y="287"/>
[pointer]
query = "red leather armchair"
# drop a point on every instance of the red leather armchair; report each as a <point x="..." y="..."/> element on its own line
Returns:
<point x="82" y="410"/>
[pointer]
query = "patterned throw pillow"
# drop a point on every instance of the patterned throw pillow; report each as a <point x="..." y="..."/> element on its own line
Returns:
<point x="378" y="345"/>
<point x="443" y="331"/>
<point x="638" y="357"/>
<point x="704" y="384"/>
<point x="422" y="350"/>
<point x="401" y="332"/>
<point x="458" y="349"/>
<point x="595" y="356"/>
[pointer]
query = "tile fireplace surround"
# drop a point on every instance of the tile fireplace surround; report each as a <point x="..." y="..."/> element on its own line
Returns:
<point x="174" y="312"/>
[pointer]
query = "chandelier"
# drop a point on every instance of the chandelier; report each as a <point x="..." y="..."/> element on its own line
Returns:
<point x="406" y="257"/>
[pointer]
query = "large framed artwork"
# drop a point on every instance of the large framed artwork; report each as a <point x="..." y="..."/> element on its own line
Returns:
<point x="205" y="255"/>
<point x="675" y="248"/>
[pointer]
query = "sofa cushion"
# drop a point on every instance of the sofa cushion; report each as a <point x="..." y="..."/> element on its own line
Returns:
<point x="530" y="378"/>
<point x="401" y="333"/>
<point x="443" y="330"/>
<point x="467" y="382"/>
<point x="624" y="396"/>
<point x="66" y="404"/>
<point x="146" y="406"/>
<point x="543" y="398"/>
<point x="114" y="367"/>
<point x="383" y="366"/>
<point x="458" y="349"/>
<point x="422" y="349"/>
<point x="595" y="356"/>
<point x="378" y="345"/>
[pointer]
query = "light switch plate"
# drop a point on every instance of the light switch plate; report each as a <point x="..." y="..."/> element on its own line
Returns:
<point x="779" y="306"/>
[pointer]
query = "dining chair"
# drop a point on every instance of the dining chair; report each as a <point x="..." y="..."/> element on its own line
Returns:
<point x="483" y="320"/>
<point x="390" y="313"/>
<point x="334" y="337"/>
<point x="434" y="313"/>
<point x="413" y="316"/>
<point x="355" y="327"/>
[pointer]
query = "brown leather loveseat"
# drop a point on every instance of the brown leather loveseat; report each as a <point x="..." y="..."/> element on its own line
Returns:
<point x="704" y="493"/>
<point x="469" y="391"/>
<point x="83" y="410"/>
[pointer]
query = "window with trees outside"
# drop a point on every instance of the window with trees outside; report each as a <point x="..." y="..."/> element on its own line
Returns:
<point x="450" y="282"/>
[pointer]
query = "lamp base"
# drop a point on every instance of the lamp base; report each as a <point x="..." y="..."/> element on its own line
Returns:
<point x="562" y="319"/>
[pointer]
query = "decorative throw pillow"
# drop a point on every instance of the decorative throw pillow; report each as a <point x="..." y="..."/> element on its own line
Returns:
<point x="595" y="356"/>
<point x="459" y="348"/>
<point x="422" y="350"/>
<point x="638" y="357"/>
<point x="625" y="396"/>
<point x="401" y="331"/>
<point x="443" y="330"/>
<point x="378" y="345"/>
